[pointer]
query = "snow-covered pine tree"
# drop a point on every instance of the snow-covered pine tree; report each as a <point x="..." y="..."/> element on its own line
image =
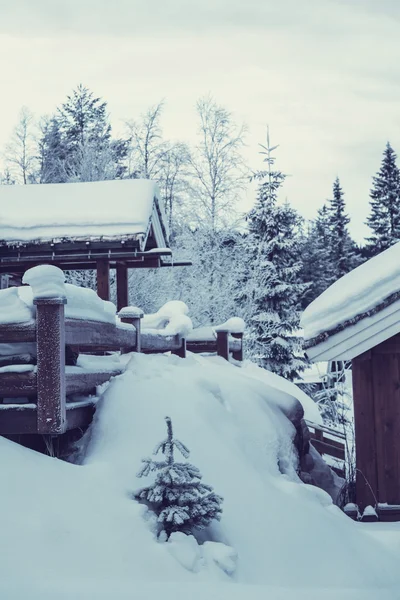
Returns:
<point x="384" y="219"/>
<point x="316" y="257"/>
<point x="274" y="287"/>
<point x="178" y="497"/>
<point x="341" y="246"/>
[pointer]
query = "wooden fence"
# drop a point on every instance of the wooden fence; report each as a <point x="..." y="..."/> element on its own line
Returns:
<point x="48" y="385"/>
<point x="329" y="442"/>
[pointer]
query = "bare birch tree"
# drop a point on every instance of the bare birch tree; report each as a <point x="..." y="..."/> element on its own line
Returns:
<point x="147" y="145"/>
<point x="218" y="173"/>
<point x="20" y="153"/>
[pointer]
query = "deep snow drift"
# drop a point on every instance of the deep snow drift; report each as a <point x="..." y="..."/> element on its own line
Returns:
<point x="73" y="531"/>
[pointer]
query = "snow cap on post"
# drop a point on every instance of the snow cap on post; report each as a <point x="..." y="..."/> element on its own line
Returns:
<point x="131" y="312"/>
<point x="232" y="325"/>
<point x="46" y="281"/>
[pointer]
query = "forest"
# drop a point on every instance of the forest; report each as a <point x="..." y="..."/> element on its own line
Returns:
<point x="265" y="266"/>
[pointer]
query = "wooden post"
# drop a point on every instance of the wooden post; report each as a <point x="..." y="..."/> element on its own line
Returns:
<point x="238" y="354"/>
<point x="223" y="344"/>
<point x="133" y="316"/>
<point x="103" y="278"/>
<point x="50" y="336"/>
<point x="122" y="285"/>
<point x="181" y="351"/>
<point x="364" y="421"/>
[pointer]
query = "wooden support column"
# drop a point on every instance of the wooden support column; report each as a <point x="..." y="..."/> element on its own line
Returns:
<point x="51" y="389"/>
<point x="223" y="344"/>
<point x="364" y="420"/>
<point x="133" y="316"/>
<point x="180" y="351"/>
<point x="238" y="354"/>
<point x="122" y="285"/>
<point x="103" y="278"/>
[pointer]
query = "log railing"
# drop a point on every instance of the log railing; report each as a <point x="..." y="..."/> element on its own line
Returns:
<point x="48" y="385"/>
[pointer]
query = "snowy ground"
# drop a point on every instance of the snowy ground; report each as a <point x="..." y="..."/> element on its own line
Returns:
<point x="73" y="531"/>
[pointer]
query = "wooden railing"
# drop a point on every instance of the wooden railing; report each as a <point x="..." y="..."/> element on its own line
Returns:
<point x="48" y="385"/>
<point x="329" y="442"/>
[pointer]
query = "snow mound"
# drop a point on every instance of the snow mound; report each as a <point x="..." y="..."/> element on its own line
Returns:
<point x="359" y="291"/>
<point x="44" y="281"/>
<point x="75" y="531"/>
<point x="171" y="319"/>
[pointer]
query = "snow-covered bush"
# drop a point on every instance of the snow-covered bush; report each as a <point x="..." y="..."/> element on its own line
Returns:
<point x="178" y="497"/>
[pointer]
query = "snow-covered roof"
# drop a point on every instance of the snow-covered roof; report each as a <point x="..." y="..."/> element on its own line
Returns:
<point x="94" y="210"/>
<point x="357" y="312"/>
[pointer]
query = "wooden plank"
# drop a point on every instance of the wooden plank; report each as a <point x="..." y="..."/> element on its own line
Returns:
<point x="325" y="448"/>
<point x="79" y="415"/>
<point x="103" y="278"/>
<point x="87" y="381"/>
<point x="390" y="346"/>
<point x="50" y="335"/>
<point x="327" y="440"/>
<point x="223" y="344"/>
<point x="15" y="385"/>
<point x="18" y="419"/>
<point x="95" y="334"/>
<point x="386" y="381"/>
<point x="18" y="332"/>
<point x="122" y="285"/>
<point x="364" y="420"/>
<point x="160" y="343"/>
<point x="237" y="354"/>
<point x="202" y="346"/>
<point x="22" y="419"/>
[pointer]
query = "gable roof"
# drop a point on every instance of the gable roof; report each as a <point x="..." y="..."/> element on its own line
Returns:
<point x="357" y="312"/>
<point x="120" y="209"/>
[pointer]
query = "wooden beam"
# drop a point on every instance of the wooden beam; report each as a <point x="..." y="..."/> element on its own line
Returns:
<point x="103" y="278"/>
<point x="94" y="334"/>
<point x="223" y="344"/>
<point x="50" y="336"/>
<point x="22" y="419"/>
<point x="364" y="421"/>
<point x="18" y="332"/>
<point x="122" y="285"/>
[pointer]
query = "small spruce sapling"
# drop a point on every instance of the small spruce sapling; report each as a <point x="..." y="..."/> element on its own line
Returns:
<point x="177" y="496"/>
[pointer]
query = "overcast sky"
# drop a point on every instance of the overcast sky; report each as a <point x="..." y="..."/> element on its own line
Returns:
<point x="324" y="74"/>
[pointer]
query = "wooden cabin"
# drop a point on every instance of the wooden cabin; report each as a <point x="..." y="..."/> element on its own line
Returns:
<point x="101" y="225"/>
<point x="357" y="319"/>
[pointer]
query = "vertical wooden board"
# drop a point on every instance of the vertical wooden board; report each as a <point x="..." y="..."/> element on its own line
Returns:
<point x="364" y="418"/>
<point x="122" y="286"/>
<point x="238" y="354"/>
<point x="51" y="389"/>
<point x="223" y="344"/>
<point x="385" y="369"/>
<point x="103" y="278"/>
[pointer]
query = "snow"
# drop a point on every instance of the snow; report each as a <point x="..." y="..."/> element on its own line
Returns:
<point x="170" y="319"/>
<point x="46" y="281"/>
<point x="357" y="292"/>
<point x="233" y="325"/>
<point x="74" y="531"/>
<point x="16" y="304"/>
<point x="95" y="209"/>
<point x="130" y="312"/>
<point x="16" y="368"/>
<point x="311" y="411"/>
<point x="12" y="308"/>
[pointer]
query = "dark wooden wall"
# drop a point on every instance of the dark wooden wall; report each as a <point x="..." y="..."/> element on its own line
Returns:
<point x="376" y="390"/>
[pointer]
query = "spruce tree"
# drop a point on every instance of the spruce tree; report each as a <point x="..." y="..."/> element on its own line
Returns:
<point x="341" y="246"/>
<point x="316" y="257"/>
<point x="178" y="497"/>
<point x="274" y="295"/>
<point x="384" y="219"/>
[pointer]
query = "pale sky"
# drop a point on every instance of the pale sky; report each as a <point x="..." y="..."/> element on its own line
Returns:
<point x="324" y="74"/>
